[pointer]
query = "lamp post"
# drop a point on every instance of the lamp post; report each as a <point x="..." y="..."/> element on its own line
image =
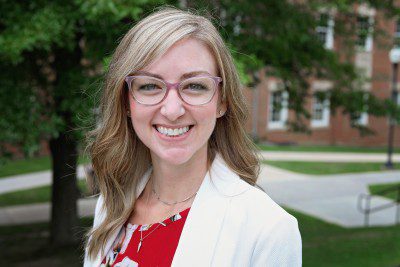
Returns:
<point x="394" y="57"/>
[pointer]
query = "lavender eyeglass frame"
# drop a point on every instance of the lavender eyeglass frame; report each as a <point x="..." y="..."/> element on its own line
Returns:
<point x="169" y="86"/>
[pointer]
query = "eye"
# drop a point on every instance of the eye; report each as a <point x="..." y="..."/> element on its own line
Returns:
<point x="196" y="87"/>
<point x="148" y="87"/>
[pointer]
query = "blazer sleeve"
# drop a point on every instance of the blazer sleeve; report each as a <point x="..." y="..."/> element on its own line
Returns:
<point x="279" y="245"/>
<point x="99" y="213"/>
<point x="98" y="218"/>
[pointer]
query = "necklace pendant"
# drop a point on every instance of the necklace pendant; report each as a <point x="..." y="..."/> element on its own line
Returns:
<point x="139" y="246"/>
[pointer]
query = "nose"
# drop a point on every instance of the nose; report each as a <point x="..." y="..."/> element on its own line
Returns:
<point x="172" y="106"/>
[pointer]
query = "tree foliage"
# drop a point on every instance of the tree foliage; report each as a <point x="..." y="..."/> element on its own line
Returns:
<point x="281" y="36"/>
<point x="52" y="55"/>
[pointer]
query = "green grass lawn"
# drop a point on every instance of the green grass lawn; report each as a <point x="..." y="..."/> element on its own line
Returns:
<point x="323" y="245"/>
<point x="303" y="148"/>
<point x="328" y="245"/>
<point x="42" y="194"/>
<point x="321" y="168"/>
<point x="15" y="167"/>
<point x="44" y="163"/>
<point x="28" y="245"/>
<point x="377" y="188"/>
<point x="34" y="195"/>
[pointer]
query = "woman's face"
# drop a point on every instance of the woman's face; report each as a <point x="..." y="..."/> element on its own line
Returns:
<point x="185" y="58"/>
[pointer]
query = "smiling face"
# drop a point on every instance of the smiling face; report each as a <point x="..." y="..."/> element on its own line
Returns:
<point x="174" y="131"/>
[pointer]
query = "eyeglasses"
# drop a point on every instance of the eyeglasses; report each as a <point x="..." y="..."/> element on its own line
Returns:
<point x="194" y="91"/>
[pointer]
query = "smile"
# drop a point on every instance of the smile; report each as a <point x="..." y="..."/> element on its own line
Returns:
<point x="172" y="131"/>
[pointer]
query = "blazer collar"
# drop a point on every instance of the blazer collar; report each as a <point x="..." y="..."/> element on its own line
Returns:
<point x="208" y="210"/>
<point x="100" y="215"/>
<point x="223" y="179"/>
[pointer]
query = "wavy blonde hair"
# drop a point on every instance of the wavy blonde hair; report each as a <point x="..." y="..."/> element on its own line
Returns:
<point x="119" y="158"/>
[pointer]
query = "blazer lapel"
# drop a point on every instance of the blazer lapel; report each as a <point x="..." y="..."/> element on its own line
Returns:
<point x="141" y="185"/>
<point x="201" y="231"/>
<point x="202" y="227"/>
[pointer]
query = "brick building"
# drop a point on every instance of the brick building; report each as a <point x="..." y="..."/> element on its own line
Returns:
<point x="327" y="129"/>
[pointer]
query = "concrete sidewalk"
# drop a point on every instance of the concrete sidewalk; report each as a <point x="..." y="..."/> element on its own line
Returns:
<point x="31" y="180"/>
<point x="328" y="156"/>
<point x="332" y="198"/>
<point x="35" y="213"/>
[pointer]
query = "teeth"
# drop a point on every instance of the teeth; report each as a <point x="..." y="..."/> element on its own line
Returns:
<point x="172" y="132"/>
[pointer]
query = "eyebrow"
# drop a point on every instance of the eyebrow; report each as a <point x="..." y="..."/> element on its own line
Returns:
<point x="184" y="76"/>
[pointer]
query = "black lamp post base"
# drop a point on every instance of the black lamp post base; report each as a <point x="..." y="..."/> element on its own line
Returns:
<point x="389" y="166"/>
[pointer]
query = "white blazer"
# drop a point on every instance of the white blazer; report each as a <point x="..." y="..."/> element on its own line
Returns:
<point x="230" y="223"/>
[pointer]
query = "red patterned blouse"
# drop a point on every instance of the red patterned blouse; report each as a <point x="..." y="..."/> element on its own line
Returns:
<point x="159" y="242"/>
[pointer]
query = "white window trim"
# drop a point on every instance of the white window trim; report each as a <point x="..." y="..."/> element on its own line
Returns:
<point x="398" y="97"/>
<point x="368" y="46"/>
<point x="363" y="119"/>
<point x="369" y="41"/>
<point x="330" y="34"/>
<point x="324" y="122"/>
<point x="397" y="29"/>
<point x="284" y="113"/>
<point x="329" y="38"/>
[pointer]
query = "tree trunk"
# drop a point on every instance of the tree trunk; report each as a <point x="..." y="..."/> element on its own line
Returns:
<point x="64" y="219"/>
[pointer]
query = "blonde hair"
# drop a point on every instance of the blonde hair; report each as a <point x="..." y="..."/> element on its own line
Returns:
<point x="119" y="158"/>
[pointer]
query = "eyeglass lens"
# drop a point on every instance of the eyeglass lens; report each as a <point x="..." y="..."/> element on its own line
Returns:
<point x="194" y="91"/>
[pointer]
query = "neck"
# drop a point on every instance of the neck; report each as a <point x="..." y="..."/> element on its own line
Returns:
<point x="177" y="182"/>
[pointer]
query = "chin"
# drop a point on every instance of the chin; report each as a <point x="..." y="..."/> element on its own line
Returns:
<point x="175" y="156"/>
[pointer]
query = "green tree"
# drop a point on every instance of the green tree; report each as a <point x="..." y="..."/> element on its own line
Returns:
<point x="280" y="35"/>
<point x="52" y="54"/>
<point x="51" y="57"/>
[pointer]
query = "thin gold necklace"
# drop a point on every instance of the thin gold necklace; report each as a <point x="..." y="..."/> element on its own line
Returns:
<point x="141" y="230"/>
<point x="171" y="203"/>
<point x="160" y="223"/>
<point x="149" y="225"/>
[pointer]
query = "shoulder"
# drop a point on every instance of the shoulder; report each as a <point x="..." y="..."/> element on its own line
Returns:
<point x="254" y="202"/>
<point x="99" y="212"/>
<point x="277" y="238"/>
<point x="274" y="232"/>
<point x="246" y="199"/>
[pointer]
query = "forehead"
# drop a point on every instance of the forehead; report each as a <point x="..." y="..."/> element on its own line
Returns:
<point x="185" y="56"/>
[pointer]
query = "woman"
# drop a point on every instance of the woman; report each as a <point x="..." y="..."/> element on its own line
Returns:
<point x="174" y="167"/>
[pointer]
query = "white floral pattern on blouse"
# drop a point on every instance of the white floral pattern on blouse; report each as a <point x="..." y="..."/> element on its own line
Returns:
<point x="122" y="240"/>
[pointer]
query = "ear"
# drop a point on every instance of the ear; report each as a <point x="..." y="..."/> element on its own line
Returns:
<point x="221" y="109"/>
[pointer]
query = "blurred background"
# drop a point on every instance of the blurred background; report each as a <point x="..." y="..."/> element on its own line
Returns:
<point x="320" y="79"/>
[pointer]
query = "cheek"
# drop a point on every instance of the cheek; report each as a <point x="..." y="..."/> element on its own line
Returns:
<point x="207" y="115"/>
<point x="139" y="116"/>
<point x="131" y="103"/>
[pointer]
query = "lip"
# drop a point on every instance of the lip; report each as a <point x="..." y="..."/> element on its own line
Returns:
<point x="173" y="138"/>
<point x="172" y="127"/>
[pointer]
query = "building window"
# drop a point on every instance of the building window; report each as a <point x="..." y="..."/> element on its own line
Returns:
<point x="364" y="33"/>
<point x="361" y="118"/>
<point x="325" y="30"/>
<point x="398" y="98"/>
<point x="397" y="33"/>
<point x="278" y="110"/>
<point x="320" y="112"/>
<point x="236" y="25"/>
